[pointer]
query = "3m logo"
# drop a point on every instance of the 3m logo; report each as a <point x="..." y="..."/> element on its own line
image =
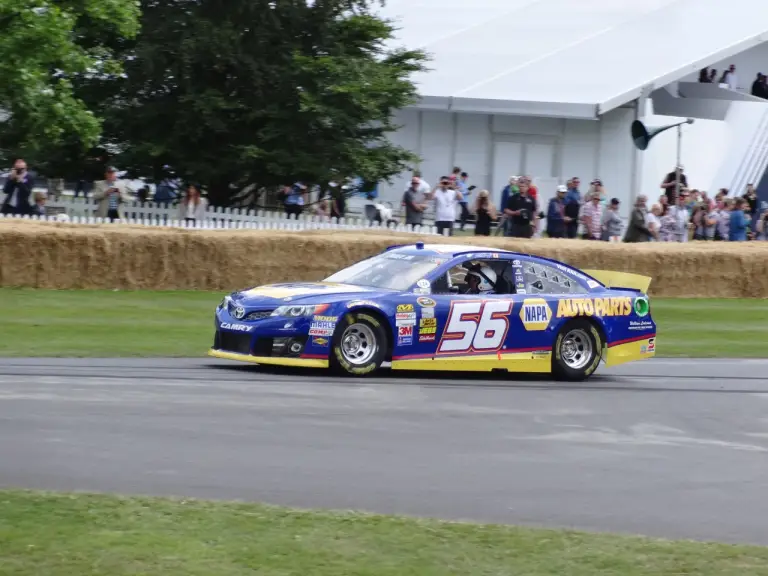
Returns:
<point x="405" y="331"/>
<point x="535" y="314"/>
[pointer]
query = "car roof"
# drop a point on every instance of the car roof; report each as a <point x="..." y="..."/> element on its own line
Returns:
<point x="454" y="250"/>
<point x="446" y="249"/>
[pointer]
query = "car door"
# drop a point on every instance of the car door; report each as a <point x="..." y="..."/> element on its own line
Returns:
<point x="472" y="324"/>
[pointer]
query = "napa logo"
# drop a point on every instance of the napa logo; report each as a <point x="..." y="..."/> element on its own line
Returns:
<point x="535" y="314"/>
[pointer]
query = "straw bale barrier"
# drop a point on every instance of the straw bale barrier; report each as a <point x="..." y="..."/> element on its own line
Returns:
<point x="62" y="256"/>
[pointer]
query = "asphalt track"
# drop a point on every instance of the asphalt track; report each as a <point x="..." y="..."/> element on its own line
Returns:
<point x="670" y="448"/>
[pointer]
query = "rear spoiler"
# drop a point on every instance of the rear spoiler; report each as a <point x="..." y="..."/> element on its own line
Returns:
<point x="613" y="279"/>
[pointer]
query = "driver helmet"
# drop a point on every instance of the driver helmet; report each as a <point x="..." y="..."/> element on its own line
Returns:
<point x="486" y="276"/>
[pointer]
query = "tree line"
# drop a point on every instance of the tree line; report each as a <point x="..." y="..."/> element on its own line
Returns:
<point x="225" y="94"/>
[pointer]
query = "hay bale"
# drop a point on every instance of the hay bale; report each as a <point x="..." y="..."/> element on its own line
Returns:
<point x="63" y="256"/>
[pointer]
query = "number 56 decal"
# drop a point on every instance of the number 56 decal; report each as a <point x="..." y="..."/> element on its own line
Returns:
<point x="476" y="326"/>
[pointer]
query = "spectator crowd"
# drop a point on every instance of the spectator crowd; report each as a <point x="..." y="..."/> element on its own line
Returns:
<point x="680" y="213"/>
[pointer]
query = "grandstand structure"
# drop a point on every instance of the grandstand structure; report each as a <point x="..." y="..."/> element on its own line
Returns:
<point x="550" y="88"/>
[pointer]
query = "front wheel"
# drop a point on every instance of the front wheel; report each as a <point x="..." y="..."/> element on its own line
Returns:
<point x="577" y="351"/>
<point x="359" y="344"/>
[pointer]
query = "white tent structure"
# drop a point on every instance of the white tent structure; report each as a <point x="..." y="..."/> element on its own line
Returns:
<point x="550" y="87"/>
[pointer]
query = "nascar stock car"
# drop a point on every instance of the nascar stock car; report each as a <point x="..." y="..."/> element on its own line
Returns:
<point x="444" y="307"/>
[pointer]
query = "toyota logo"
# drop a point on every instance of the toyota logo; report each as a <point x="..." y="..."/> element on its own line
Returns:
<point x="239" y="312"/>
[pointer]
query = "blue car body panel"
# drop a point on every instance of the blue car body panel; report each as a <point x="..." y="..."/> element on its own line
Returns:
<point x="431" y="327"/>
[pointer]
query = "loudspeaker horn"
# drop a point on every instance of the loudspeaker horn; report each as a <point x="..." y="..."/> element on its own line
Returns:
<point x="642" y="136"/>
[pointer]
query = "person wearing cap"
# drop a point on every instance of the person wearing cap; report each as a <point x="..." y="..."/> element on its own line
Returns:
<point x="556" y="218"/>
<point x="596" y="188"/>
<point x="670" y="182"/>
<point x="110" y="195"/>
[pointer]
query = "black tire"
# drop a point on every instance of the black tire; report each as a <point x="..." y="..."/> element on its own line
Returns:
<point x="577" y="351"/>
<point x="371" y="337"/>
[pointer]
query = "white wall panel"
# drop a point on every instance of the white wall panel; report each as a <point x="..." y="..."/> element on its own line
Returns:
<point x="615" y="155"/>
<point x="507" y="161"/>
<point x="437" y="145"/>
<point x="473" y="148"/>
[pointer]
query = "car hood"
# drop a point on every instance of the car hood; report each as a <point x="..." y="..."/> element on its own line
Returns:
<point x="302" y="293"/>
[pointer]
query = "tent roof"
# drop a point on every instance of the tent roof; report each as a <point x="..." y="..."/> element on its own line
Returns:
<point x="566" y="58"/>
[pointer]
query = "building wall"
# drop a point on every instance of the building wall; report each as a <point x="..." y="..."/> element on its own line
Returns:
<point x="491" y="148"/>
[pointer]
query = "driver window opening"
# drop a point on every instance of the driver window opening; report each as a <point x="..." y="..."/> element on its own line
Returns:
<point x="476" y="277"/>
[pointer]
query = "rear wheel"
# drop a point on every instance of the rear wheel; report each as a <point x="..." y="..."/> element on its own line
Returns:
<point x="359" y="344"/>
<point x="577" y="351"/>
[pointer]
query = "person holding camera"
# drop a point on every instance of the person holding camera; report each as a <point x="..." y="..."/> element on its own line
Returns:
<point x="521" y="211"/>
<point x="17" y="190"/>
<point x="110" y="194"/>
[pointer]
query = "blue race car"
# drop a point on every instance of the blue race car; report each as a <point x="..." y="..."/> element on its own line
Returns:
<point x="443" y="307"/>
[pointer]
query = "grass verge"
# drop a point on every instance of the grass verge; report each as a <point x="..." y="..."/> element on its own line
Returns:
<point x="116" y="323"/>
<point x="76" y="534"/>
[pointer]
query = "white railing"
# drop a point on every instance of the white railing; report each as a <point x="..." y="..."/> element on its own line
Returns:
<point x="224" y="223"/>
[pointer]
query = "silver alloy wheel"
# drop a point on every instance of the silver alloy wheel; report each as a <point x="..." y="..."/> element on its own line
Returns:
<point x="576" y="349"/>
<point x="358" y="344"/>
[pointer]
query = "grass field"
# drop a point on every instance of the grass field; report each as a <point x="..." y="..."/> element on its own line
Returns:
<point x="72" y="535"/>
<point x="115" y="323"/>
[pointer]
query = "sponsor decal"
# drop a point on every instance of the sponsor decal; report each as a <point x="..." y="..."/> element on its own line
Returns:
<point x="494" y="255"/>
<point x="425" y="302"/>
<point x="641" y="307"/>
<point x="236" y="327"/>
<point x="405" y="335"/>
<point x="427" y="338"/>
<point x="423" y="283"/>
<point x="324" y="325"/>
<point x="405" y="319"/>
<point x="592" y="284"/>
<point x="395" y="256"/>
<point x="405" y="307"/>
<point x="320" y="342"/>
<point x="541" y="354"/>
<point x="356" y="303"/>
<point x="572" y="272"/>
<point x="516" y="263"/>
<point x="642" y="325"/>
<point x="239" y="312"/>
<point x="320" y="332"/>
<point x="427" y="312"/>
<point x="651" y="344"/>
<point x="287" y="326"/>
<point x="428" y="323"/>
<point x="570" y="307"/>
<point x="535" y="314"/>
<point x="325" y="319"/>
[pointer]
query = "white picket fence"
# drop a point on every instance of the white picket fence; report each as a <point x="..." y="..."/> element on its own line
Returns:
<point x="267" y="221"/>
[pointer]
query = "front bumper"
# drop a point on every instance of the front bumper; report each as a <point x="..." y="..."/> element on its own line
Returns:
<point x="275" y="341"/>
<point x="270" y="360"/>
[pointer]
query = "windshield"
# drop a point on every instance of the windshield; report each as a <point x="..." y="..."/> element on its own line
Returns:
<point x="391" y="271"/>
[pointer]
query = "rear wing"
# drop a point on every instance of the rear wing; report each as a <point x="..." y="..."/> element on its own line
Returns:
<point x="627" y="280"/>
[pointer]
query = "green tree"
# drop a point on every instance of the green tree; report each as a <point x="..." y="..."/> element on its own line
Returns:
<point x="47" y="47"/>
<point x="263" y="92"/>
